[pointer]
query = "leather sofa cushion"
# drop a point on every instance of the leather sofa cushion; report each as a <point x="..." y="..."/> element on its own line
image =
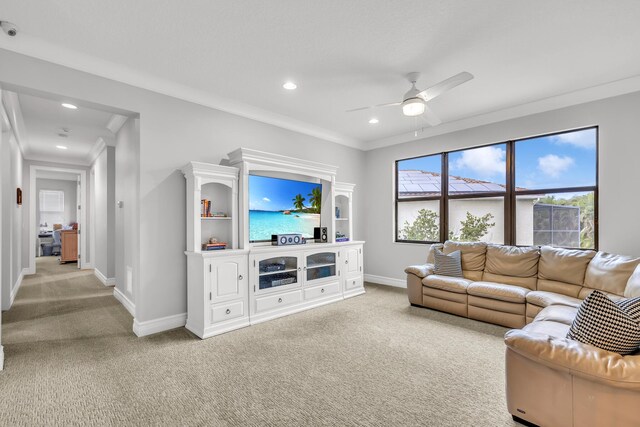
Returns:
<point x="421" y="271"/>
<point x="431" y="251"/>
<point x="557" y="313"/>
<point x="549" y="328"/>
<point x="545" y="299"/>
<point x="525" y="282"/>
<point x="498" y="291"/>
<point x="564" y="265"/>
<point x="633" y="284"/>
<point x="584" y="292"/>
<point x="578" y="359"/>
<point x="473" y="253"/>
<point x="562" y="288"/>
<point x="609" y="272"/>
<point x="512" y="261"/>
<point x="447" y="283"/>
<point x="474" y="276"/>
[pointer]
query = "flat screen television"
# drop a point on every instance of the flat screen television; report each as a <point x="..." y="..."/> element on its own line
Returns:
<point x="280" y="206"/>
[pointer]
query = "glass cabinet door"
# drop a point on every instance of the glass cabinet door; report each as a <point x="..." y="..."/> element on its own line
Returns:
<point x="277" y="271"/>
<point x="321" y="266"/>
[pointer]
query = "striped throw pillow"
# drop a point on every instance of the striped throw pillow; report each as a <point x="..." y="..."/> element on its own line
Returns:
<point x="611" y="326"/>
<point x="447" y="265"/>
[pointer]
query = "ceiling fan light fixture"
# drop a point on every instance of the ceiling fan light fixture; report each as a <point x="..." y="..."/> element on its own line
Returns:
<point x="413" y="107"/>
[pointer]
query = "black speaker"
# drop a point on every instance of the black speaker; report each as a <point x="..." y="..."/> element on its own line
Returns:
<point x="320" y="234"/>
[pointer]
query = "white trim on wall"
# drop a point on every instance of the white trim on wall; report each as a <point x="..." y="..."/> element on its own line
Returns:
<point x="33" y="226"/>
<point x="126" y="302"/>
<point x="388" y="281"/>
<point x="162" y="324"/>
<point x="106" y="281"/>
<point x="16" y="287"/>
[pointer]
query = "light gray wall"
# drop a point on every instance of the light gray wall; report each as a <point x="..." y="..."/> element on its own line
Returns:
<point x="173" y="132"/>
<point x="11" y="164"/>
<point x="70" y="190"/>
<point x="103" y="176"/>
<point x="619" y="150"/>
<point x="127" y="236"/>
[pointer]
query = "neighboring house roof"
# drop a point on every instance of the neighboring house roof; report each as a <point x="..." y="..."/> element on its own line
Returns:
<point x="415" y="183"/>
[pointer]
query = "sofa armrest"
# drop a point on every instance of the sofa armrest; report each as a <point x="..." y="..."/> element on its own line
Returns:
<point x="422" y="270"/>
<point x="578" y="359"/>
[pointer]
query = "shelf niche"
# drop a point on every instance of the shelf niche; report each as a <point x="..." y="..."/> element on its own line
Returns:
<point x="219" y="184"/>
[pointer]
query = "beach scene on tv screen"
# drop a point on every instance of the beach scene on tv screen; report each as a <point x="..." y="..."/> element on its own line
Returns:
<point x="281" y="206"/>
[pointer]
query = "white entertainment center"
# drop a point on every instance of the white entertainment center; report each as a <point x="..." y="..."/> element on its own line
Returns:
<point x="252" y="282"/>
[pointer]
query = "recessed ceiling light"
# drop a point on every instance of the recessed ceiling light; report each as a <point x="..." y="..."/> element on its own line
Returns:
<point x="61" y="147"/>
<point x="290" y="86"/>
<point x="374" y="121"/>
<point x="69" y="106"/>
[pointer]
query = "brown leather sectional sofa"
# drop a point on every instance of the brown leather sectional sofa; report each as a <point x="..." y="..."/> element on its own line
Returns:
<point x="551" y="380"/>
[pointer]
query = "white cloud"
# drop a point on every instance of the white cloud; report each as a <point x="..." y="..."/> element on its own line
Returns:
<point x="266" y="199"/>
<point x="553" y="165"/>
<point x="485" y="161"/>
<point x="581" y="139"/>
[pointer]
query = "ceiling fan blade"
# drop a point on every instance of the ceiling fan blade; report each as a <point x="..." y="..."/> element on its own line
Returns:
<point x="430" y="117"/>
<point x="390" y="104"/>
<point x="445" y="85"/>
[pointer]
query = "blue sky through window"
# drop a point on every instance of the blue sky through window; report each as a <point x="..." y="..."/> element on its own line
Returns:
<point x="275" y="194"/>
<point x="428" y="164"/>
<point x="557" y="161"/>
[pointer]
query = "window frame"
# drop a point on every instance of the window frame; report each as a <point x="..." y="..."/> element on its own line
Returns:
<point x="510" y="194"/>
<point x="397" y="200"/>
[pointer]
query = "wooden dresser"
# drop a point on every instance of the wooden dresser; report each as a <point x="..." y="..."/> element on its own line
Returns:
<point x="69" y="243"/>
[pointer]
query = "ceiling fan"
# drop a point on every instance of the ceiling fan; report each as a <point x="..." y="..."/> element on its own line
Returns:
<point x="414" y="102"/>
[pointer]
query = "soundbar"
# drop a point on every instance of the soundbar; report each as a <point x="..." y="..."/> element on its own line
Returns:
<point x="287" y="239"/>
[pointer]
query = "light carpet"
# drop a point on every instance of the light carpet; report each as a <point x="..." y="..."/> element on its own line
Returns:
<point x="71" y="359"/>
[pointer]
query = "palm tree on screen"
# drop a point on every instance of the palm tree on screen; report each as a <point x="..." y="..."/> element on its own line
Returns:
<point x="315" y="198"/>
<point x="298" y="202"/>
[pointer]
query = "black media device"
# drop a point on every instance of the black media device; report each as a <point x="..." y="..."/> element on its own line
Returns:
<point x="287" y="239"/>
<point x="320" y="234"/>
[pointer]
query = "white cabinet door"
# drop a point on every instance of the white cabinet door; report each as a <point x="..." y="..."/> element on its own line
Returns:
<point x="353" y="261"/>
<point x="227" y="278"/>
<point x="320" y="266"/>
<point x="275" y="272"/>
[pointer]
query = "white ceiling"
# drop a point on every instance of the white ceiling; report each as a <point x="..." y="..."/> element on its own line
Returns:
<point x="236" y="55"/>
<point x="44" y="119"/>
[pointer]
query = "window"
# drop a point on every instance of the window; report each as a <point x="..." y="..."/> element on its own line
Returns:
<point x="534" y="191"/>
<point x="51" y="207"/>
<point x="477" y="192"/>
<point x="418" y="199"/>
<point x="555" y="189"/>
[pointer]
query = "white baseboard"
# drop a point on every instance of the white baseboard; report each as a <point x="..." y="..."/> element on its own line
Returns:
<point x="389" y="281"/>
<point x="16" y="288"/>
<point x="149" y="327"/>
<point x="126" y="302"/>
<point x="107" y="281"/>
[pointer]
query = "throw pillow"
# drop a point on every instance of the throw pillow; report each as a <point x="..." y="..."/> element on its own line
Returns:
<point x="608" y="325"/>
<point x="447" y="265"/>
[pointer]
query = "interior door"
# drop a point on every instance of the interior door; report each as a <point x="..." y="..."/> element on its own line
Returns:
<point x="78" y="212"/>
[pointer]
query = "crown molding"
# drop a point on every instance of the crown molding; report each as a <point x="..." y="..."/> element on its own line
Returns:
<point x="44" y="50"/>
<point x="50" y="52"/>
<point x="116" y="122"/>
<point x="595" y="93"/>
<point x="98" y="147"/>
<point x="11" y="107"/>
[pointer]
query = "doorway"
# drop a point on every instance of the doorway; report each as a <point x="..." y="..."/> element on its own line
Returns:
<point x="57" y="214"/>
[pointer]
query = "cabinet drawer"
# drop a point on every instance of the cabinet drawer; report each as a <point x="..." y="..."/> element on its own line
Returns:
<point x="353" y="283"/>
<point x="273" y="302"/>
<point x="322" y="291"/>
<point x="222" y="312"/>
